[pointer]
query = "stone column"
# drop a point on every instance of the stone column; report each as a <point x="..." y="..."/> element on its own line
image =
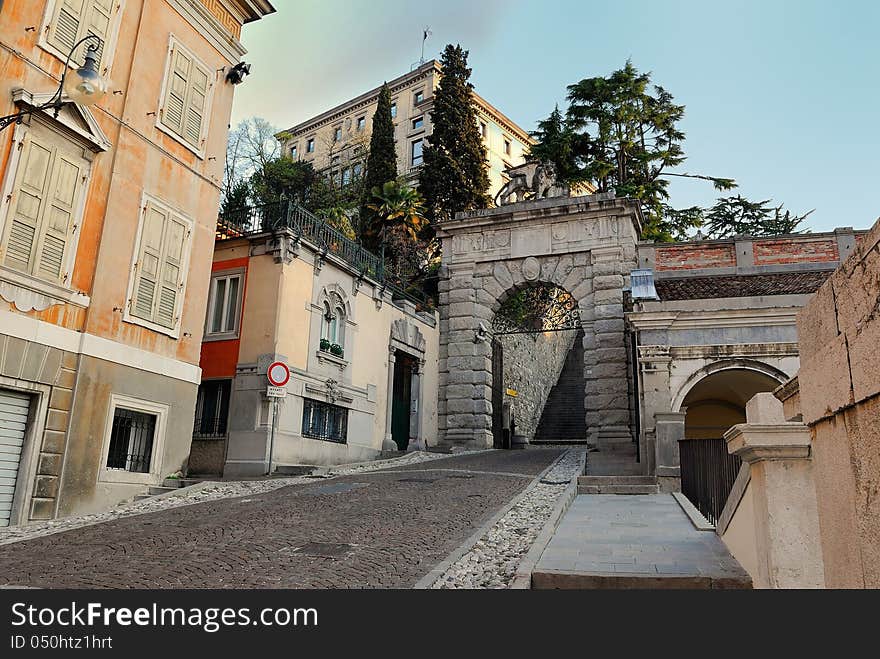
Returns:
<point x="605" y="360"/>
<point x="668" y="431"/>
<point x="786" y="519"/>
<point x="416" y="441"/>
<point x="465" y="361"/>
<point x="388" y="444"/>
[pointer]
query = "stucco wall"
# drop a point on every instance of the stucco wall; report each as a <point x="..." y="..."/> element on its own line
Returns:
<point x="840" y="399"/>
<point x="532" y="364"/>
<point x="740" y="535"/>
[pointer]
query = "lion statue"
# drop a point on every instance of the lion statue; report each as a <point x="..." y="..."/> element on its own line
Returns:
<point x="531" y="180"/>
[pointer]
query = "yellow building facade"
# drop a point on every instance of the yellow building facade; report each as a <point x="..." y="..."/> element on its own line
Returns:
<point x="337" y="141"/>
<point x="106" y="241"/>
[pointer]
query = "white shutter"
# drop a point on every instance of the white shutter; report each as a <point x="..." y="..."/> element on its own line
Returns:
<point x="98" y="23"/>
<point x="159" y="271"/>
<point x="171" y="279"/>
<point x="13" y="424"/>
<point x="28" y="202"/>
<point x="148" y="263"/>
<point x="195" y="112"/>
<point x="176" y="92"/>
<point x="64" y="30"/>
<point x="58" y="217"/>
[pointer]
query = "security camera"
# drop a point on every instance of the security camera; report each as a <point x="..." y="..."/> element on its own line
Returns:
<point x="482" y="333"/>
<point x="238" y="72"/>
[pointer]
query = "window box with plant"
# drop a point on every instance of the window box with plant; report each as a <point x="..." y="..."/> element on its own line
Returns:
<point x="336" y="349"/>
<point x="325" y="345"/>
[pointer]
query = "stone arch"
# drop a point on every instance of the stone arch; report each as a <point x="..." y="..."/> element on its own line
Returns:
<point x="725" y="365"/>
<point x="584" y="245"/>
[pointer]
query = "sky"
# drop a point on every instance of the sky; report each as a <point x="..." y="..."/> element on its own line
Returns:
<point x="782" y="96"/>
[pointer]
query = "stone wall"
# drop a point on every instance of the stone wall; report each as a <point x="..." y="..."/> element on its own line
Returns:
<point x="839" y="331"/>
<point x="532" y="363"/>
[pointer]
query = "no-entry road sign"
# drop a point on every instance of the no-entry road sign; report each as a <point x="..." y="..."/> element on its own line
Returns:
<point x="278" y="374"/>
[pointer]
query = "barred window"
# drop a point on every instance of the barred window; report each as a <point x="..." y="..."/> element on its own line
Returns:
<point x="131" y="441"/>
<point x="324" y="421"/>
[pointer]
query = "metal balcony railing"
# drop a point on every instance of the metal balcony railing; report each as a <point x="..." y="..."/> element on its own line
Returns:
<point x="287" y="214"/>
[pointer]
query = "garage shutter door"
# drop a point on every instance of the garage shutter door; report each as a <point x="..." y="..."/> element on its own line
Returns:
<point x="13" y="419"/>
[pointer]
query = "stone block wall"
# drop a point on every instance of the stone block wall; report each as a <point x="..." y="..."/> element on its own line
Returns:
<point x="839" y="382"/>
<point x="532" y="364"/>
<point x="47" y="373"/>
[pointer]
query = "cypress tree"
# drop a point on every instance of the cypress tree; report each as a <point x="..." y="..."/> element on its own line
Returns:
<point x="454" y="175"/>
<point x="382" y="161"/>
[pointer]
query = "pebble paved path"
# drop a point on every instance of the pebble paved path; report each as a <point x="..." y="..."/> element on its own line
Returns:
<point x="493" y="560"/>
<point x="383" y="528"/>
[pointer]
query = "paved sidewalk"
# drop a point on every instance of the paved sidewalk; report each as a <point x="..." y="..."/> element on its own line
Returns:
<point x="634" y="541"/>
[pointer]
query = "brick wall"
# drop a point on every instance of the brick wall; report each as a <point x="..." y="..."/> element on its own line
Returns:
<point x="795" y="250"/>
<point x="691" y="257"/>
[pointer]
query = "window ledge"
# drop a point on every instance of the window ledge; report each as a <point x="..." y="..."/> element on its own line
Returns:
<point x="174" y="332"/>
<point x="220" y="336"/>
<point x="127" y="477"/>
<point x="29" y="293"/>
<point x="325" y="356"/>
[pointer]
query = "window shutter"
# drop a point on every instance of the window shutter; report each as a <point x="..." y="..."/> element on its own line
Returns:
<point x="148" y="263"/>
<point x="66" y="24"/>
<point x="30" y="196"/>
<point x="58" y="216"/>
<point x="175" y="95"/>
<point x="98" y="23"/>
<point x="172" y="272"/>
<point x="196" y="106"/>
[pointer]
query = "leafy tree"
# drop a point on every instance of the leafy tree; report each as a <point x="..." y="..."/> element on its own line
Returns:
<point x="400" y="215"/>
<point x="454" y="175"/>
<point x="624" y="136"/>
<point x="382" y="160"/>
<point x="236" y="198"/>
<point x="282" y="177"/>
<point x="339" y="218"/>
<point x="737" y="215"/>
<point x="556" y="144"/>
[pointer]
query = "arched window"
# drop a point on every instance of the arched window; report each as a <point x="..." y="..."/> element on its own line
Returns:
<point x="333" y="321"/>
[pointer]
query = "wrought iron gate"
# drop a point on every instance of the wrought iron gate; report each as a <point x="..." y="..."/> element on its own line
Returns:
<point x="497" y="393"/>
<point x="707" y="474"/>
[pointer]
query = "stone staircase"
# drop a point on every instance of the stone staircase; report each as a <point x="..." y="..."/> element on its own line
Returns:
<point x="563" y="419"/>
<point x="617" y="485"/>
<point x="168" y="485"/>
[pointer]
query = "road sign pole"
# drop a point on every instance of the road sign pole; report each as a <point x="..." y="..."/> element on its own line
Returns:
<point x="272" y="434"/>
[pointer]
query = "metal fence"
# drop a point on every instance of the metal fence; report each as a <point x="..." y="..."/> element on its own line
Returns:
<point x="288" y="214"/>
<point x="707" y="474"/>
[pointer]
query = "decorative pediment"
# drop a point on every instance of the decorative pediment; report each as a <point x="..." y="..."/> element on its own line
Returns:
<point x="407" y="334"/>
<point x="76" y="119"/>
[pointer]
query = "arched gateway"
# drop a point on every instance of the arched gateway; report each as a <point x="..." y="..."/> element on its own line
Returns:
<point x="584" y="245"/>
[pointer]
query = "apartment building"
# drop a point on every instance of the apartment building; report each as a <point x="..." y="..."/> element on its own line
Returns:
<point x="363" y="356"/>
<point x="337" y="141"/>
<point x="107" y="222"/>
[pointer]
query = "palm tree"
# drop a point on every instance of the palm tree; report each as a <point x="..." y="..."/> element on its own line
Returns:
<point x="397" y="206"/>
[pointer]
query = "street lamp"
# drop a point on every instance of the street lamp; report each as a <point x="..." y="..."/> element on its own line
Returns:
<point x="85" y="85"/>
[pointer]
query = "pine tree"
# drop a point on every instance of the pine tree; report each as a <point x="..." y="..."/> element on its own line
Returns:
<point x="555" y="144"/>
<point x="382" y="161"/>
<point x="454" y="175"/>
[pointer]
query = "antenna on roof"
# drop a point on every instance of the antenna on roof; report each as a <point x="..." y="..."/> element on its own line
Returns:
<point x="425" y="34"/>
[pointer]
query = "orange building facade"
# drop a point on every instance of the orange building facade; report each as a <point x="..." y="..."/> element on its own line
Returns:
<point x="107" y="222"/>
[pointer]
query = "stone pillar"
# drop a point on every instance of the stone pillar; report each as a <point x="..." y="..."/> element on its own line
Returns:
<point x="669" y="430"/>
<point x="605" y="359"/>
<point x="416" y="441"/>
<point x="465" y="361"/>
<point x="388" y="443"/>
<point x="786" y="515"/>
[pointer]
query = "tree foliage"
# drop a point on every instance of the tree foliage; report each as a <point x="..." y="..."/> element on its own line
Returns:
<point x="382" y="160"/>
<point x="454" y="175"/>
<point x="737" y="215"/>
<point x="622" y="133"/>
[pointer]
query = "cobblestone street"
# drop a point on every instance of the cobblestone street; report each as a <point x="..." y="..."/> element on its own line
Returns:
<point x="379" y="529"/>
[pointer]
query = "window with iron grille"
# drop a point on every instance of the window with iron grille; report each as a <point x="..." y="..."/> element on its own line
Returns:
<point x="212" y="409"/>
<point x="324" y="421"/>
<point x="131" y="441"/>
